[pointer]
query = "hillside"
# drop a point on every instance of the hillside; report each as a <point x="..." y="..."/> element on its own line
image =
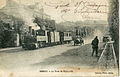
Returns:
<point x="88" y="23"/>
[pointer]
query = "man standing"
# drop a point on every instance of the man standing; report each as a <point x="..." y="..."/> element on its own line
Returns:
<point x="94" y="44"/>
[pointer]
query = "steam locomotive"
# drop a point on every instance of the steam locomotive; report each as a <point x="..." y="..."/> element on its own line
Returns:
<point x="43" y="38"/>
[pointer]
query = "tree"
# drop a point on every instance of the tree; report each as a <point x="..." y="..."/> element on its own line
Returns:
<point x="9" y="27"/>
<point x="114" y="24"/>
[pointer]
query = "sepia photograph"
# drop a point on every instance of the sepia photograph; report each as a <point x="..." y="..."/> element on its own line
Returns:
<point x="59" y="38"/>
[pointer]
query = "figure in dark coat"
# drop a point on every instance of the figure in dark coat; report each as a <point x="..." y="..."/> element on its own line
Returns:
<point x="94" y="44"/>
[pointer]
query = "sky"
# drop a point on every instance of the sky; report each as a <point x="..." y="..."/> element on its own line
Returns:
<point x="70" y="10"/>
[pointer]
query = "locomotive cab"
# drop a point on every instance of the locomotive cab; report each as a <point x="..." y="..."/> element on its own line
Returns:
<point x="41" y="36"/>
<point x="29" y="42"/>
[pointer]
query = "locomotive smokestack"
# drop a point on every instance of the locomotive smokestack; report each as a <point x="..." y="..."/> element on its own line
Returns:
<point x="30" y="30"/>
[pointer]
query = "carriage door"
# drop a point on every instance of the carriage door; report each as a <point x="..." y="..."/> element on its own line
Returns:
<point x="61" y="37"/>
<point x="49" y="37"/>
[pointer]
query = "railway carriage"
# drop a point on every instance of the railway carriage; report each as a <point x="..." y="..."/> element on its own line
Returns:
<point x="43" y="38"/>
<point x="57" y="37"/>
<point x="67" y="37"/>
<point x="52" y="38"/>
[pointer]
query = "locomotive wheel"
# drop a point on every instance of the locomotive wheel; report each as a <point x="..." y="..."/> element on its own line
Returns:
<point x="31" y="47"/>
<point x="41" y="45"/>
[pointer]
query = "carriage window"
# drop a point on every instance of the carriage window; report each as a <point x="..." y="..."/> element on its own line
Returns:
<point x="69" y="34"/>
<point x="40" y="32"/>
<point x="65" y="34"/>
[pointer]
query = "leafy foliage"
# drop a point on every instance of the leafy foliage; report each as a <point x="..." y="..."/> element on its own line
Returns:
<point x="114" y="24"/>
<point x="9" y="26"/>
